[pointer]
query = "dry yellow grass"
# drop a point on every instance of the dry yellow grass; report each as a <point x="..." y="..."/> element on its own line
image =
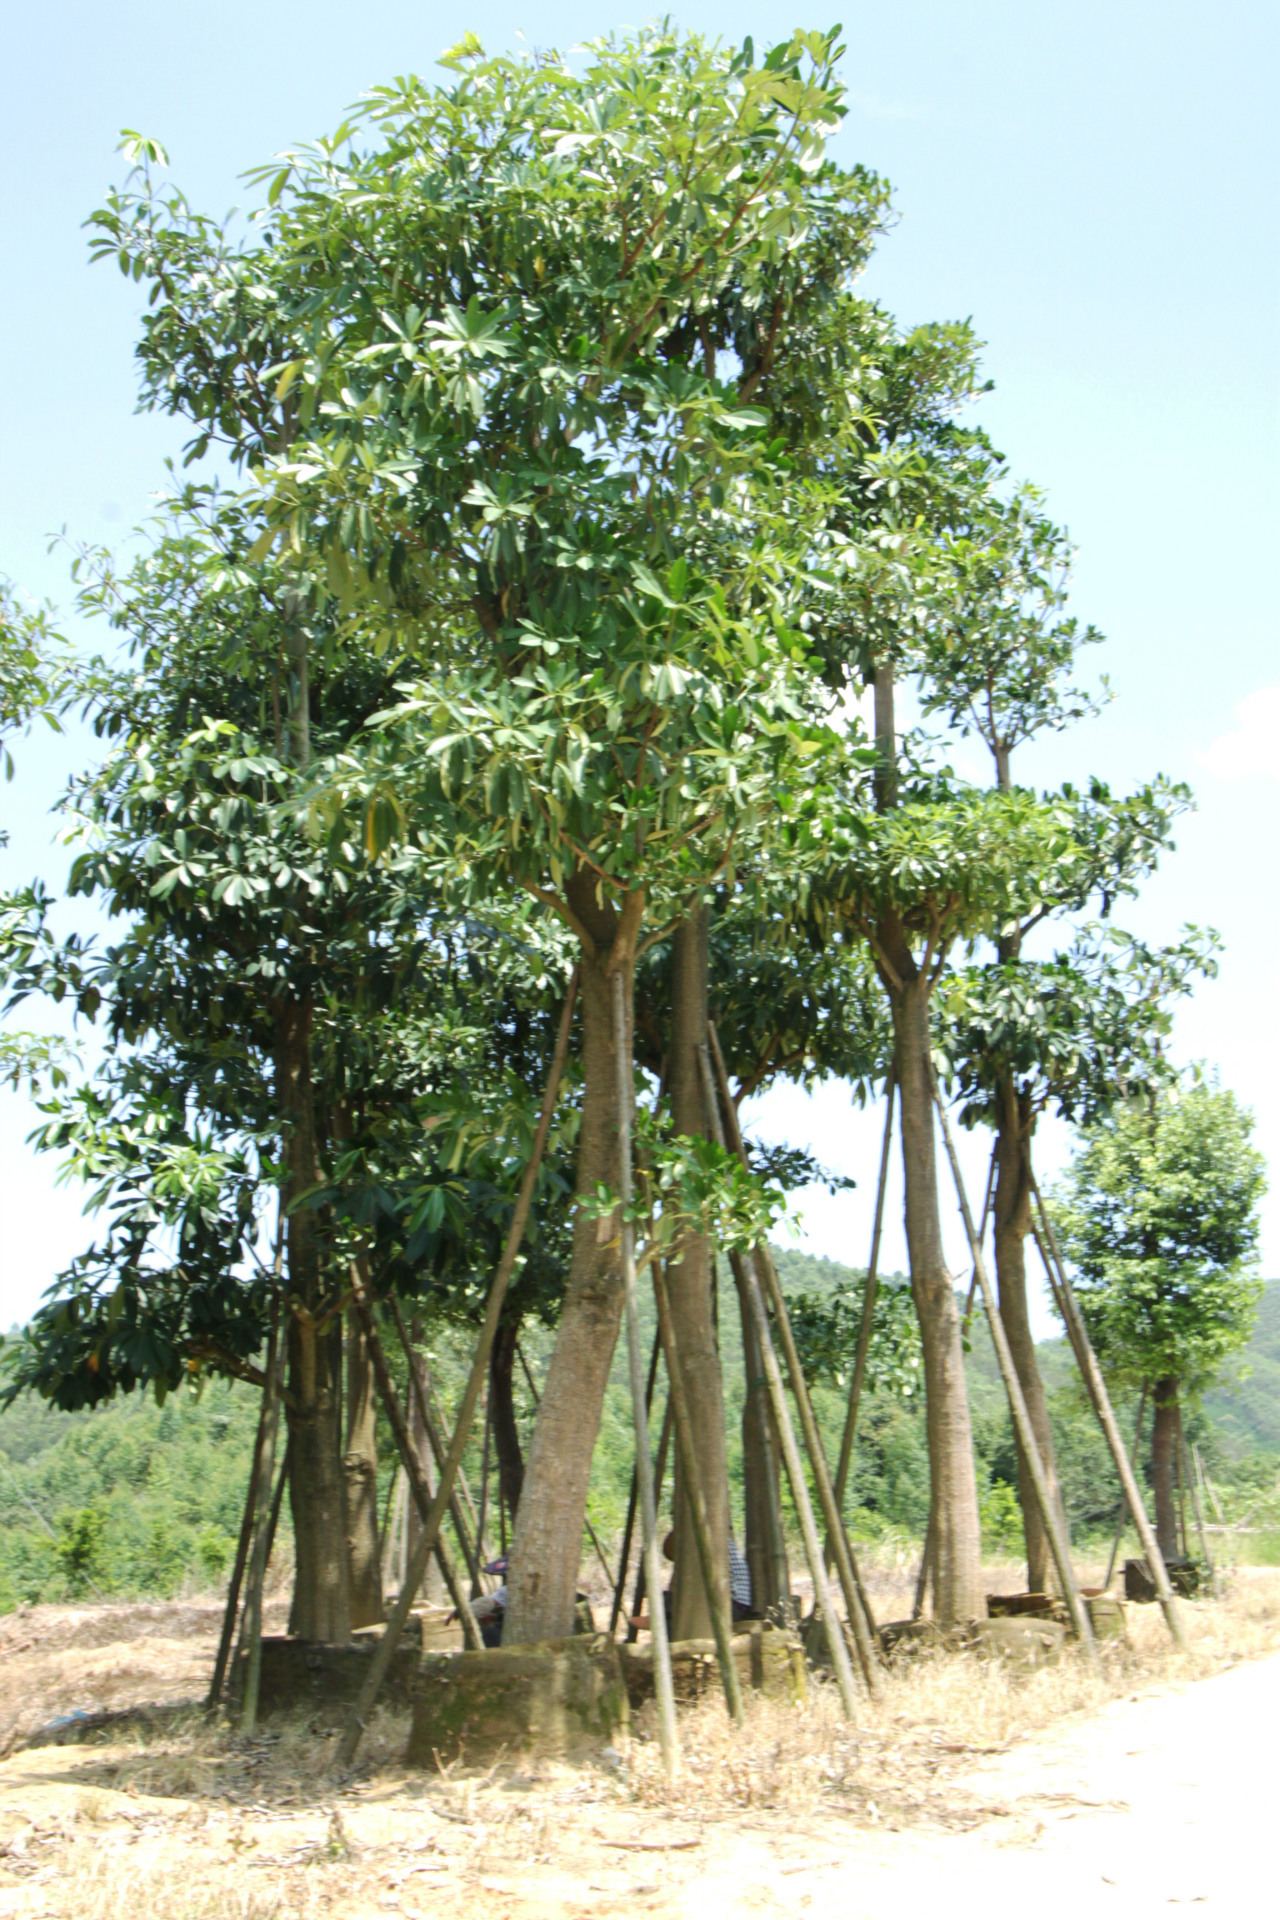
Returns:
<point x="185" y="1820"/>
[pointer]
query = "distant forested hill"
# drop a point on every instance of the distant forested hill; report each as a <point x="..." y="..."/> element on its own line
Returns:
<point x="140" y="1499"/>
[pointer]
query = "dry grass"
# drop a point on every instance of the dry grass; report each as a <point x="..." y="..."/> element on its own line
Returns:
<point x="185" y="1820"/>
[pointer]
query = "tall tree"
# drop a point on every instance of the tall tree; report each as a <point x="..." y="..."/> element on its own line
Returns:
<point x="1160" y="1217"/>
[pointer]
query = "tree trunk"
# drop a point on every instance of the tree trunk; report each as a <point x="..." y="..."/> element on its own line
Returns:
<point x="322" y="1585"/>
<point x="502" y="1412"/>
<point x="1164" y="1439"/>
<point x="1012" y="1207"/>
<point x="546" y="1550"/>
<point x="360" y="1469"/>
<point x="765" y="1546"/>
<point x="689" y="1286"/>
<point x="957" y="1536"/>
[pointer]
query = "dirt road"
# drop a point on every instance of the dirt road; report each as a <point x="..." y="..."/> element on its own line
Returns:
<point x="1152" y="1802"/>
<point x="1160" y="1802"/>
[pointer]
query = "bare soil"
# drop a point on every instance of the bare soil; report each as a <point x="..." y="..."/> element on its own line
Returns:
<point x="968" y="1786"/>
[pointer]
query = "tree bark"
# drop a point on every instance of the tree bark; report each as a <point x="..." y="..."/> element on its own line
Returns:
<point x="360" y="1469"/>
<point x="957" y="1536"/>
<point x="1012" y="1212"/>
<point x="689" y="1288"/>
<point x="546" y="1549"/>
<point x="502" y="1414"/>
<point x="765" y="1546"/>
<point x="322" y="1585"/>
<point x="1164" y="1439"/>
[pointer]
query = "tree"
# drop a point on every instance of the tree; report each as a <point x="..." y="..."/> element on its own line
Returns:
<point x="1159" y="1215"/>
<point x="422" y="1035"/>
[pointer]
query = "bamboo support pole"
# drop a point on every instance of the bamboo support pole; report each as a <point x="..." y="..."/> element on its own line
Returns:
<point x="926" y="1567"/>
<point x="861" y="1623"/>
<point x="390" y="1640"/>
<point x="251" y="1625"/>
<point x="868" y="1305"/>
<point x="841" y="1664"/>
<point x="717" y="1604"/>
<point x="664" y="1690"/>
<point x="982" y="1234"/>
<point x="231" y="1610"/>
<point x="1124" y="1504"/>
<point x="1049" y="1513"/>
<point x="659" y="1477"/>
<point x="471" y="1551"/>
<point x="1196" y="1508"/>
<point x="1087" y="1360"/>
<point x="628" y="1531"/>
<point x="419" y="1486"/>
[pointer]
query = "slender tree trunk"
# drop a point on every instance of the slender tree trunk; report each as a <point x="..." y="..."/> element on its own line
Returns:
<point x="546" y="1548"/>
<point x="957" y="1537"/>
<point x="360" y="1468"/>
<point x="1012" y="1209"/>
<point x="322" y="1585"/>
<point x="765" y="1546"/>
<point x="502" y="1413"/>
<point x="1164" y="1439"/>
<point x="689" y="1285"/>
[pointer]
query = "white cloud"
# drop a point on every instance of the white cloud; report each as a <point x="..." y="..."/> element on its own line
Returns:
<point x="1254" y="747"/>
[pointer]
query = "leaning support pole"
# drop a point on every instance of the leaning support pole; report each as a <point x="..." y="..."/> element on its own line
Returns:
<point x="408" y="1453"/>
<point x="231" y="1611"/>
<point x="659" y="1477"/>
<point x="663" y="1687"/>
<point x="861" y="1624"/>
<point x="1137" y="1442"/>
<point x="628" y="1531"/>
<point x="1018" y="1407"/>
<point x="868" y="1305"/>
<point x="251" y="1625"/>
<point x="385" y="1650"/>
<point x="720" y="1621"/>
<point x="1087" y="1360"/>
<point x="417" y="1388"/>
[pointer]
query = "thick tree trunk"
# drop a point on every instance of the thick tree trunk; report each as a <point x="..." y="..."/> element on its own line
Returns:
<point x="1012" y="1207"/>
<point x="546" y="1551"/>
<point x="502" y="1413"/>
<point x="322" y="1585"/>
<point x="360" y="1469"/>
<point x="689" y="1285"/>
<point x="957" y="1537"/>
<point x="1164" y="1439"/>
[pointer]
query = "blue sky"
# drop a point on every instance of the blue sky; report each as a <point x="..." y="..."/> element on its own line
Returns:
<point x="1095" y="185"/>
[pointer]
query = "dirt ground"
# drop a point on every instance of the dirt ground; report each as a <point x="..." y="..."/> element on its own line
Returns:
<point x="967" y="1785"/>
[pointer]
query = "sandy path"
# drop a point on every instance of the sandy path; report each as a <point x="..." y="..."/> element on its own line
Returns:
<point x="1162" y="1801"/>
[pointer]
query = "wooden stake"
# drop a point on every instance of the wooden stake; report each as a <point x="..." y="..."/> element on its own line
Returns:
<point x="251" y="1626"/>
<point x="861" y="1624"/>
<point x="868" y="1305"/>
<point x="1087" y="1361"/>
<point x="982" y="1234"/>
<point x="717" y="1607"/>
<point x="390" y="1640"/>
<point x="624" y="1558"/>
<point x="1018" y="1407"/>
<point x="926" y="1567"/>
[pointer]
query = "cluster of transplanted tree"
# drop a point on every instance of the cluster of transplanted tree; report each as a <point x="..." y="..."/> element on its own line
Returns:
<point x="584" y="497"/>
